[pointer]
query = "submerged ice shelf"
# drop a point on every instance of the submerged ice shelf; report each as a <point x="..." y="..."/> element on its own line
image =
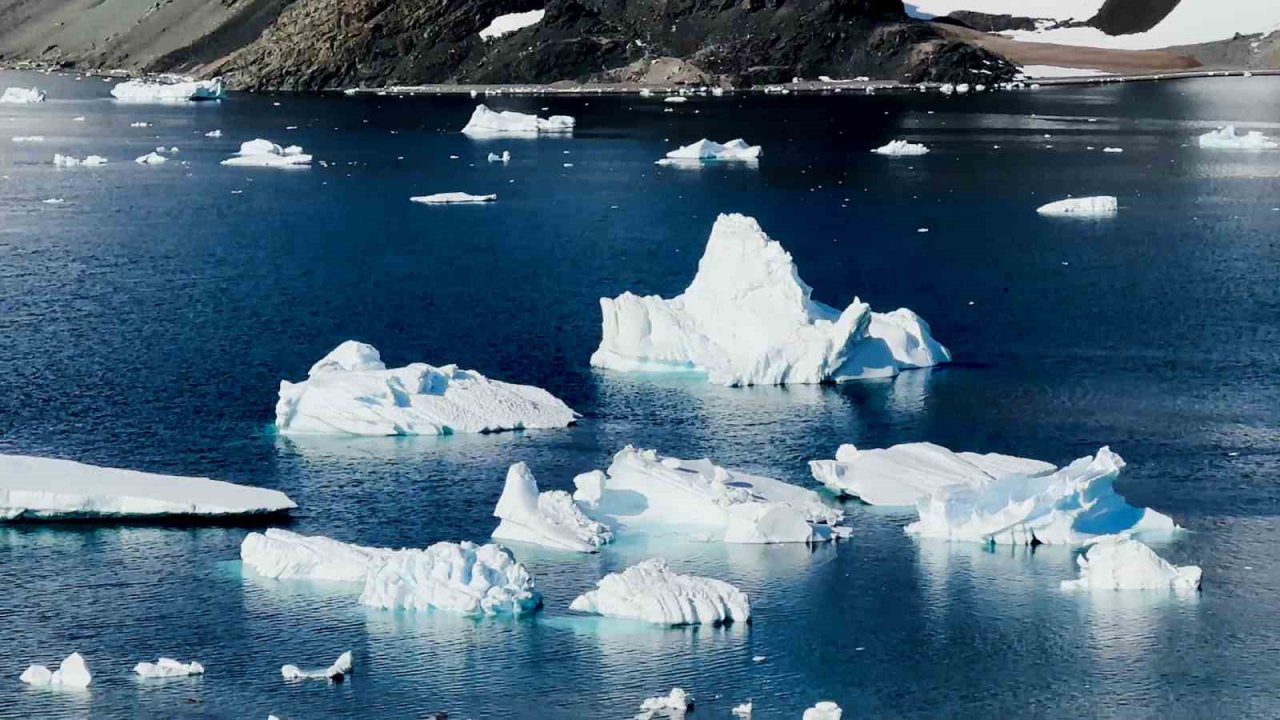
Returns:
<point x="651" y="592"/>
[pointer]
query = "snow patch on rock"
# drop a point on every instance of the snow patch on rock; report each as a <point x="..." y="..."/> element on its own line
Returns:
<point x="511" y="22"/>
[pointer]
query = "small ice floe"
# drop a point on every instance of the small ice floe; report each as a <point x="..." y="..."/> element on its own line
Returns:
<point x="72" y="672"/>
<point x="901" y="148"/>
<point x="213" y="134"/>
<point x="1095" y="206"/>
<point x="452" y="198"/>
<point x="485" y="122"/>
<point x="171" y="150"/>
<point x="60" y="160"/>
<point x="742" y="711"/>
<point x="946" y="88"/>
<point x="79" y="118"/>
<point x="551" y="519"/>
<point x="674" y="705"/>
<point x="675" y="99"/>
<point x="264" y="153"/>
<point x="651" y="592"/>
<point x="167" y="668"/>
<point x="335" y="672"/>
<point x="511" y="22"/>
<point x="1121" y="563"/>
<point x="1112" y="150"/>
<point x="825" y="710"/>
<point x="151" y="158"/>
<point x="164" y="91"/>
<point x="140" y="124"/>
<point x="28" y="139"/>
<point x="53" y="201"/>
<point x="1227" y="138"/>
<point x="463" y="578"/>
<point x="21" y="96"/>
<point x="504" y="158"/>
<point x="706" y="150"/>
<point x="962" y="88"/>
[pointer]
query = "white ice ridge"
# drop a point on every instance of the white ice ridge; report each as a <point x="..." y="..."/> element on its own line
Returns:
<point x="551" y="518"/>
<point x="72" y="672"/>
<point x="674" y="704"/>
<point x="510" y="23"/>
<point x="487" y="122"/>
<point x="1072" y="506"/>
<point x="44" y="488"/>
<point x="1226" y="138"/>
<point x="705" y="150"/>
<point x="168" y="667"/>
<point x="264" y="153"/>
<point x="1120" y="563"/>
<point x="456" y="577"/>
<point x="156" y="91"/>
<point x="151" y="158"/>
<point x="70" y="161"/>
<point x="901" y="147"/>
<point x="350" y="391"/>
<point x="452" y="198"/>
<point x="825" y="710"/>
<point x="1096" y="206"/>
<point x="902" y="475"/>
<point x="646" y="492"/>
<point x="21" y="96"/>
<point x="747" y="319"/>
<point x="652" y="592"/>
<point x="337" y="671"/>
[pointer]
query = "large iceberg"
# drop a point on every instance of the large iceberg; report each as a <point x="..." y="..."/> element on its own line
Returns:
<point x="1072" y="506"/>
<point x="457" y="577"/>
<point x="551" y="519"/>
<point x="705" y="150"/>
<point x="487" y="122"/>
<point x="901" y="148"/>
<point x="1226" y="138"/>
<point x="264" y="153"/>
<point x="652" y="592"/>
<point x="21" y="96"/>
<point x="902" y="475"/>
<point x="1121" y="563"/>
<point x="36" y="488"/>
<point x="747" y="319"/>
<point x="72" y="672"/>
<point x="647" y="492"/>
<point x="158" y="91"/>
<point x="350" y="391"/>
<point x="337" y="671"/>
<point x="1095" y="206"/>
<point x="167" y="668"/>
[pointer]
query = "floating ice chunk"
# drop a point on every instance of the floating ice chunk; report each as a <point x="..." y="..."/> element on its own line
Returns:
<point x="487" y="122"/>
<point x="510" y="23"/>
<point x="652" y="592"/>
<point x="742" y="711"/>
<point x="550" y="518"/>
<point x="264" y="153"/>
<point x="675" y="99"/>
<point x="60" y="160"/>
<point x="171" y="150"/>
<point x="1227" y="138"/>
<point x="1112" y="150"/>
<point x="452" y="198"/>
<point x="674" y="704"/>
<point x="457" y="577"/>
<point x="213" y="134"/>
<point x="1120" y="563"/>
<point x="53" y="201"/>
<point x="72" y="672"/>
<point x="825" y="710"/>
<point x="902" y="475"/>
<point x="43" y="488"/>
<point x="336" y="672"/>
<point x="21" y="96"/>
<point x="707" y="150"/>
<point x="747" y="319"/>
<point x="140" y="124"/>
<point x="159" y="91"/>
<point x="1072" y="506"/>
<point x="29" y="139"/>
<point x="350" y="391"/>
<point x="1097" y="206"/>
<point x="962" y="88"/>
<point x="946" y="88"/>
<point x="504" y="158"/>
<point x="901" y="147"/>
<point x="151" y="158"/>
<point x="168" y="667"/>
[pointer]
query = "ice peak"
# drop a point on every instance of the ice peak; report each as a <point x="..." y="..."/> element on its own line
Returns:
<point x="350" y="356"/>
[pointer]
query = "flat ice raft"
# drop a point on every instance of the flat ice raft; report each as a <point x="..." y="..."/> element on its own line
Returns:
<point x="487" y="122"/>
<point x="157" y="91"/>
<point x="747" y="319"/>
<point x="1096" y="206"/>
<point x="351" y="391"/>
<point x="652" y="592"/>
<point x="47" y="488"/>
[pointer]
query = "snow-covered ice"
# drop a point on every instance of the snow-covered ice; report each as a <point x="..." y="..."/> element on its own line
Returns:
<point x="156" y="91"/>
<point x="44" y="488"/>
<point x="825" y="710"/>
<point x="747" y="319"/>
<point x="21" y="96"/>
<point x="72" y="672"/>
<point x="264" y="153"/>
<point x="456" y="577"/>
<point x="1096" y="206"/>
<point x="710" y="150"/>
<point x="675" y="99"/>
<point x="510" y="23"/>
<point x="168" y="667"/>
<point x="487" y="122"/>
<point x="551" y="518"/>
<point x="70" y="161"/>
<point x="351" y="391"/>
<point x="151" y="158"/>
<point x="674" y="705"/>
<point x="452" y="198"/>
<point x="902" y="475"/>
<point x="337" y="671"/>
<point x="652" y="592"/>
<point x="28" y="138"/>
<point x="1226" y="138"/>
<point x="1121" y="563"/>
<point x="901" y="148"/>
<point x="1072" y="506"/>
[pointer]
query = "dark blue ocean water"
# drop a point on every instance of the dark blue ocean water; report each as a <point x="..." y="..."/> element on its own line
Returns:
<point x="147" y="320"/>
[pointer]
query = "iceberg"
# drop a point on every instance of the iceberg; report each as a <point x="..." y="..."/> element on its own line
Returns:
<point x="674" y="704"/>
<point x="457" y="577"/>
<point x="487" y="122"/>
<point x="504" y="158"/>
<point x="1072" y="506"/>
<point x="675" y="99"/>
<point x="72" y="672"/>
<point x="37" y="488"/>
<point x="168" y="667"/>
<point x="651" y="592"/>
<point x="1121" y="563"/>
<point x="742" y="711"/>
<point x="825" y="710"/>
<point x="747" y="319"/>
<point x="60" y="160"/>
<point x="28" y="138"/>
<point x="157" y="91"/>
<point x="452" y="198"/>
<point x="350" y="391"/>
<point x="264" y="153"/>
<point x="1096" y="206"/>
<point x="213" y="134"/>
<point x="709" y="150"/>
<point x="21" y="96"/>
<point x="511" y="22"/>
<point x="152" y="158"/>
<point x="336" y="672"/>
<point x="551" y="519"/>
<point x="901" y="147"/>
<point x="1226" y="138"/>
<point x="902" y="475"/>
<point x="646" y="492"/>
